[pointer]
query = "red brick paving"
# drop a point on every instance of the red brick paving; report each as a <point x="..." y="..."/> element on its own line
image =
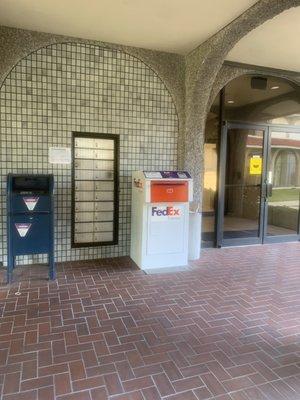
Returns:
<point x="228" y="329"/>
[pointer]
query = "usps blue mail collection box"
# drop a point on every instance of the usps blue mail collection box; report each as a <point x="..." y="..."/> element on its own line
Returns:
<point x="30" y="218"/>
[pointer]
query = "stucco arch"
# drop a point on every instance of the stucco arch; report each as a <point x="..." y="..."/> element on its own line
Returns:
<point x="202" y="67"/>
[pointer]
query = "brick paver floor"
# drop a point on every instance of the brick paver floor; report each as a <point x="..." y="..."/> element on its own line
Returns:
<point x="227" y="330"/>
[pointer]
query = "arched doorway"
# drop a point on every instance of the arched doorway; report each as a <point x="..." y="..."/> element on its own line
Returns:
<point x="252" y="168"/>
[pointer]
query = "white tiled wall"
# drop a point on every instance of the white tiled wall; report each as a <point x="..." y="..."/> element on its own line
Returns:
<point x="79" y="87"/>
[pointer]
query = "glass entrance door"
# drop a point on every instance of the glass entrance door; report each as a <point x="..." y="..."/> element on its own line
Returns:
<point x="241" y="211"/>
<point x="259" y="185"/>
<point x="282" y="185"/>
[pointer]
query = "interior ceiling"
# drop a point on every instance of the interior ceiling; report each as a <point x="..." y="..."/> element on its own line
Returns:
<point x="240" y="92"/>
<point x="279" y="99"/>
<point x="169" y="25"/>
<point x="273" y="44"/>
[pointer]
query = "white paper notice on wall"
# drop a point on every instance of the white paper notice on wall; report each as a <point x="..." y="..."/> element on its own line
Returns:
<point x="59" y="155"/>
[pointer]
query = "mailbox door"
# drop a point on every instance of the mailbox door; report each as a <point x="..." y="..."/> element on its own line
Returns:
<point x="30" y="234"/>
<point x="168" y="191"/>
<point x="22" y="203"/>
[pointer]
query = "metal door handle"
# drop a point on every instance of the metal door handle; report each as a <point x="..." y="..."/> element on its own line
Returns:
<point x="269" y="190"/>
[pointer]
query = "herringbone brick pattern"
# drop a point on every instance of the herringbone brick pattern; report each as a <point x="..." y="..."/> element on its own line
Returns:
<point x="226" y="330"/>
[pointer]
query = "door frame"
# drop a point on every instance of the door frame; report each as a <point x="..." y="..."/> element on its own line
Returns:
<point x="221" y="242"/>
<point x="263" y="211"/>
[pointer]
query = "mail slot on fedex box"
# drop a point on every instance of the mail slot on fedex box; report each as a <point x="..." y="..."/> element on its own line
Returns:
<point x="160" y="218"/>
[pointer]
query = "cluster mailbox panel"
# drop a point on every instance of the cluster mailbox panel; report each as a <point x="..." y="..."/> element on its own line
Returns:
<point x="95" y="189"/>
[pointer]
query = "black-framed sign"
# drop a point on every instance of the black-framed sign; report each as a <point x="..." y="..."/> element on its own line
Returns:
<point x="95" y="192"/>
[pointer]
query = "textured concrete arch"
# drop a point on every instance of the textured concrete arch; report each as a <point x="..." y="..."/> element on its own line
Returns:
<point x="202" y="67"/>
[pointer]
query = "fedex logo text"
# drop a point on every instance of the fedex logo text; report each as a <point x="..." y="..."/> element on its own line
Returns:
<point x="169" y="211"/>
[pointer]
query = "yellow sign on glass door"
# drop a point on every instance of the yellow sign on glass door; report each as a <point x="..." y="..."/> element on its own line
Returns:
<point x="255" y="165"/>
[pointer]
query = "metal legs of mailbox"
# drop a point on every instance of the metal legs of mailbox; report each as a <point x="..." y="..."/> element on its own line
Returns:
<point x="52" y="271"/>
<point x="11" y="263"/>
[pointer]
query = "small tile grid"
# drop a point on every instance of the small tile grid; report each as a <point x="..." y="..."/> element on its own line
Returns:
<point x="227" y="329"/>
<point x="86" y="88"/>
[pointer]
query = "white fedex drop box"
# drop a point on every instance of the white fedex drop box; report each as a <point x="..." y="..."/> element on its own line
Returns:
<point x="160" y="218"/>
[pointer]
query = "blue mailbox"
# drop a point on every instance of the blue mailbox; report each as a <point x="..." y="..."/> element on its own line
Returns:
<point x="30" y="218"/>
